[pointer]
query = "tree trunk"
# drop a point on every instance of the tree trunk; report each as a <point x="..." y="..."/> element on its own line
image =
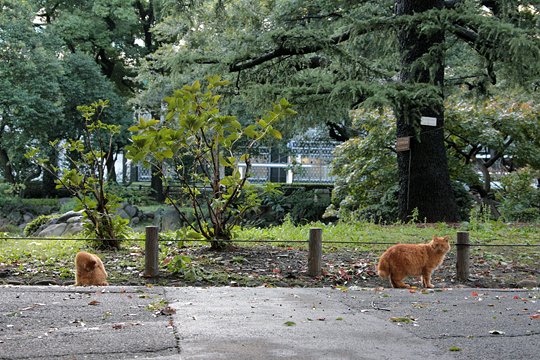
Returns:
<point x="156" y="183"/>
<point x="423" y="170"/>
<point x="48" y="184"/>
<point x="7" y="170"/>
<point x="111" y="169"/>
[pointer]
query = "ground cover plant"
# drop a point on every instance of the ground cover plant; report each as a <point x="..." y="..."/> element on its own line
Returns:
<point x="349" y="257"/>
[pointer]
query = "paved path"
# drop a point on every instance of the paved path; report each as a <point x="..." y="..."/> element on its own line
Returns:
<point x="262" y="323"/>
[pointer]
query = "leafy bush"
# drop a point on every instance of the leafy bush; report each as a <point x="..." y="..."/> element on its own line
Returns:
<point x="35" y="224"/>
<point x="520" y="200"/>
<point x="131" y="195"/>
<point x="464" y="199"/>
<point x="365" y="170"/>
<point x="299" y="204"/>
<point x="14" y="208"/>
<point x="195" y="128"/>
<point x="85" y="177"/>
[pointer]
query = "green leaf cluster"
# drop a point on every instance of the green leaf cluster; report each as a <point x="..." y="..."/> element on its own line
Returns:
<point x="85" y="175"/>
<point x="203" y="150"/>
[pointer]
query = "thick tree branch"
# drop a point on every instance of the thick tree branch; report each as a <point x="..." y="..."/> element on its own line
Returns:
<point x="283" y="51"/>
<point x="498" y="154"/>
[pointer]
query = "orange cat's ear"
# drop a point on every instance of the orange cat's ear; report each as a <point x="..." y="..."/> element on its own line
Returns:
<point x="447" y="238"/>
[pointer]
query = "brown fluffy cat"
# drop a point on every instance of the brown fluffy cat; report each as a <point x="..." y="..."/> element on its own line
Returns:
<point x="402" y="260"/>
<point x="89" y="270"/>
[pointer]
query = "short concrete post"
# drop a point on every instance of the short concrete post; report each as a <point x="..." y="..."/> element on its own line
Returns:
<point x="463" y="255"/>
<point x="315" y="252"/>
<point x="151" y="250"/>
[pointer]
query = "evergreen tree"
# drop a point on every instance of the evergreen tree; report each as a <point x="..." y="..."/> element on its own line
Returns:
<point x="333" y="56"/>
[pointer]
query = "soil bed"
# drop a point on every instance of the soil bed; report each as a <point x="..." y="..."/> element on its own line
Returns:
<point x="272" y="266"/>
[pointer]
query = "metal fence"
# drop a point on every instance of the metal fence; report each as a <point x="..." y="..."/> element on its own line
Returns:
<point x="302" y="162"/>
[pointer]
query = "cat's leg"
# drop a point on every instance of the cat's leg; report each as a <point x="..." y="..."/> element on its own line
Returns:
<point x="397" y="281"/>
<point x="426" y="278"/>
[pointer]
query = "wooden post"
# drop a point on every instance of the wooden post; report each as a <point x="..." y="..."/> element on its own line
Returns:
<point x="151" y="251"/>
<point x="463" y="251"/>
<point x="315" y="252"/>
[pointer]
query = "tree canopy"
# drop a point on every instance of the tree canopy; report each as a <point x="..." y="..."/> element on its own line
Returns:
<point x="333" y="56"/>
<point x="330" y="58"/>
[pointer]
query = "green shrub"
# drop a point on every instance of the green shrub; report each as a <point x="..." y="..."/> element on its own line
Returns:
<point x="14" y="208"/>
<point x="520" y="200"/>
<point x="132" y="195"/>
<point x="300" y="204"/>
<point x="35" y="224"/>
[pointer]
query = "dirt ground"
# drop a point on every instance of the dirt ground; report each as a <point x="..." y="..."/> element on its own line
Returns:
<point x="281" y="267"/>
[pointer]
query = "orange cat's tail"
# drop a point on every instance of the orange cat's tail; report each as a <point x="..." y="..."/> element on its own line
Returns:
<point x="382" y="270"/>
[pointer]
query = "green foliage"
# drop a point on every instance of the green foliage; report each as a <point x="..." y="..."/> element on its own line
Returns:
<point x="507" y="125"/>
<point x="85" y="178"/>
<point x="13" y="209"/>
<point x="366" y="176"/>
<point x="331" y="56"/>
<point x="29" y="89"/>
<point x="298" y="204"/>
<point x="464" y="199"/>
<point x="132" y="195"/>
<point x="68" y="205"/>
<point x="41" y="84"/>
<point x="480" y="218"/>
<point x="520" y="200"/>
<point x="201" y="149"/>
<point x="183" y="266"/>
<point x="35" y="224"/>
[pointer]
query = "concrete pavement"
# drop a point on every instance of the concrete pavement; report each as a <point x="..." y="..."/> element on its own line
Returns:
<point x="266" y="323"/>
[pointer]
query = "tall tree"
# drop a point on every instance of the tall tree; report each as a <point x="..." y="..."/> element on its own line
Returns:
<point x="30" y="97"/>
<point x="333" y="56"/>
<point x="424" y="180"/>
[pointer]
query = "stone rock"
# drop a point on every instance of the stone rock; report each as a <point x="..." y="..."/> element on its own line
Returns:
<point x="167" y="219"/>
<point x="131" y="210"/>
<point x="27" y="217"/>
<point x="72" y="222"/>
<point x="73" y="228"/>
<point x="68" y="215"/>
<point x="75" y="219"/>
<point x="123" y="214"/>
<point x="53" y="230"/>
<point x="528" y="283"/>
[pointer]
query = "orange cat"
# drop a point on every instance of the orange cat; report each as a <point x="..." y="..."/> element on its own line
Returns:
<point x="89" y="270"/>
<point x="402" y="260"/>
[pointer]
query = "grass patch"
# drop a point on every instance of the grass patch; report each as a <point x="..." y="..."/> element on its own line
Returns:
<point x="354" y="234"/>
<point x="30" y="259"/>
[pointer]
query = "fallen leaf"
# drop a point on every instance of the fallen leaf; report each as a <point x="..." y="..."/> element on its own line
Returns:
<point x="94" y="302"/>
<point x="404" y="320"/>
<point x="168" y="311"/>
<point x="290" y="323"/>
<point x="78" y="323"/>
<point x="455" y="348"/>
<point x="535" y="316"/>
<point x="474" y="293"/>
